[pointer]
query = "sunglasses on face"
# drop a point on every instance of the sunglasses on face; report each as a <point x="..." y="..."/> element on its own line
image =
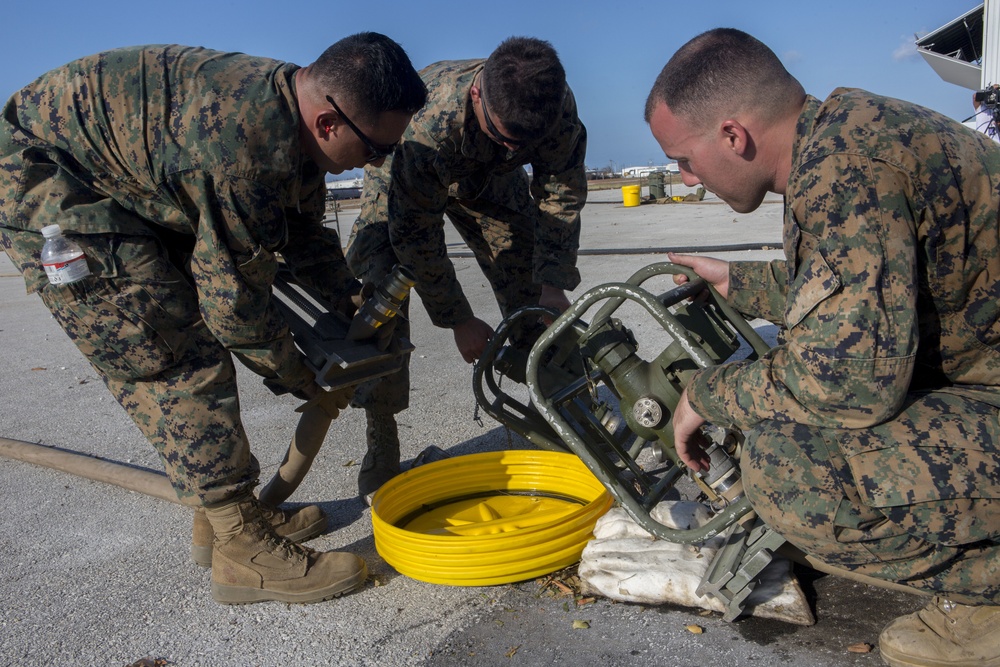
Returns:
<point x="375" y="151"/>
<point x="489" y="122"/>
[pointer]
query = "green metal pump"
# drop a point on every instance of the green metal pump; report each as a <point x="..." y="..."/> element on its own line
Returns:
<point x="593" y="394"/>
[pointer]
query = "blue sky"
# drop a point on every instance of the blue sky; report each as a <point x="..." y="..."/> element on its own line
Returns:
<point x="612" y="51"/>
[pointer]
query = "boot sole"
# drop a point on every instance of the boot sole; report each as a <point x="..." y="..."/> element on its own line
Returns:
<point x="893" y="659"/>
<point x="202" y="554"/>
<point x="243" y="595"/>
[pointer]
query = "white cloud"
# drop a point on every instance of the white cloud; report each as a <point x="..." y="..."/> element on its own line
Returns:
<point x="791" y="57"/>
<point x="907" y="48"/>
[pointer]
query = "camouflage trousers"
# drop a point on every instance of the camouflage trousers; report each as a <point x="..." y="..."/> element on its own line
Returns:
<point x="498" y="226"/>
<point x="915" y="500"/>
<point x="136" y="320"/>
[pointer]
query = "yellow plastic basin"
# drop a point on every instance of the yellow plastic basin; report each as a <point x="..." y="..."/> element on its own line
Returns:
<point x="490" y="518"/>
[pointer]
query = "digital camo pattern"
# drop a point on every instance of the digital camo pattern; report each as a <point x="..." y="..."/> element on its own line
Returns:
<point x="446" y="164"/>
<point x="882" y="398"/>
<point x="524" y="233"/>
<point x="182" y="162"/>
<point x="389" y="395"/>
<point x="897" y="502"/>
<point x="144" y="335"/>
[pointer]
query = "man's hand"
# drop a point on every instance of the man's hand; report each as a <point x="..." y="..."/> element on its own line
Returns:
<point x="350" y="301"/>
<point x="553" y="297"/>
<point x="689" y="441"/>
<point x="471" y="337"/>
<point x="308" y="392"/>
<point x="714" y="271"/>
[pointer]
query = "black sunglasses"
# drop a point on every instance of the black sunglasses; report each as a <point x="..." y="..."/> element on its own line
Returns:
<point x="489" y="122"/>
<point x="375" y="152"/>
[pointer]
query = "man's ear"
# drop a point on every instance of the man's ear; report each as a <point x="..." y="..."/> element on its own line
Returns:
<point x="326" y="123"/>
<point x="735" y="135"/>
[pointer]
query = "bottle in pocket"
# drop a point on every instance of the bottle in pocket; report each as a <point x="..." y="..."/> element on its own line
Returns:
<point x="62" y="258"/>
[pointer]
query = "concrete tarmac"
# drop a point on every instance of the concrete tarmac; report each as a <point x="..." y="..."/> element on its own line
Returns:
<point x="93" y="574"/>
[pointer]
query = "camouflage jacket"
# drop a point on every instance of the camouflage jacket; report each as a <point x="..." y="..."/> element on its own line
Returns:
<point x="203" y="143"/>
<point x="891" y="277"/>
<point x="445" y="154"/>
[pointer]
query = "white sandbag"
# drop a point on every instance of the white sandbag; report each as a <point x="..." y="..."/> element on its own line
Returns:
<point x="624" y="562"/>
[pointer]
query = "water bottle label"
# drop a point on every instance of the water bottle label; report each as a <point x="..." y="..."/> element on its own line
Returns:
<point x="64" y="273"/>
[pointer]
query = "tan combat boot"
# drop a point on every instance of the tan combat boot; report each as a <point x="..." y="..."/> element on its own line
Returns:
<point x="297" y="525"/>
<point x="943" y="634"/>
<point x="381" y="462"/>
<point x="250" y="563"/>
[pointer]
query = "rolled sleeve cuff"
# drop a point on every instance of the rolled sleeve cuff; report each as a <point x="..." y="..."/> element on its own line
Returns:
<point x="755" y="289"/>
<point x="562" y="276"/>
<point x="711" y="398"/>
<point x="448" y="313"/>
<point x="280" y="363"/>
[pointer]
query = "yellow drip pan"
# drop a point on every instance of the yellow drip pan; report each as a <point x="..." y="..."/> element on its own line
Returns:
<point x="490" y="518"/>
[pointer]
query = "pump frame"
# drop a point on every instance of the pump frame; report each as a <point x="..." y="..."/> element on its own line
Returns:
<point x="571" y="359"/>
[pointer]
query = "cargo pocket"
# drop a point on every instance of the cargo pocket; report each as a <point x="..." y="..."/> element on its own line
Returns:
<point x="933" y="469"/>
<point x="131" y="327"/>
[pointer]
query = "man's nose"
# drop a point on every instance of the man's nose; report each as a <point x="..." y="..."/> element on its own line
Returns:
<point x="689" y="179"/>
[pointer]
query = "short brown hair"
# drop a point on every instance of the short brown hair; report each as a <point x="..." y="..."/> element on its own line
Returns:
<point x="726" y="70"/>
<point x="373" y="72"/>
<point x="525" y="86"/>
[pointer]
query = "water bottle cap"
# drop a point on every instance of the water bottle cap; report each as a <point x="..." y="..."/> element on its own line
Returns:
<point x="51" y="230"/>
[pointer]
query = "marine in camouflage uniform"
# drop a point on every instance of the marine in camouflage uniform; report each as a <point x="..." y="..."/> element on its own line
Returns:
<point x="872" y="428"/>
<point x="182" y="172"/>
<point x="874" y="423"/>
<point x="523" y="231"/>
<point x="218" y="177"/>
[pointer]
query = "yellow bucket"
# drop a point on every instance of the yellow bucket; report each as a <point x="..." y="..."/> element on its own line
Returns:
<point x="490" y="518"/>
<point x="630" y="194"/>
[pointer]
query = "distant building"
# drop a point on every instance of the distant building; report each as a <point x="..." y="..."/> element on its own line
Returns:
<point x="344" y="189"/>
<point x="646" y="170"/>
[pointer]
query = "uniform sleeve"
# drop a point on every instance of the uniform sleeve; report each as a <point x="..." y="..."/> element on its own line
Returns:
<point x="417" y="197"/>
<point x="850" y="312"/>
<point x="758" y="289"/>
<point x="314" y="252"/>
<point x="240" y="226"/>
<point x="559" y="185"/>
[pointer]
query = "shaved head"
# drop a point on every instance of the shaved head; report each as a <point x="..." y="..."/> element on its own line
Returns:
<point x="724" y="72"/>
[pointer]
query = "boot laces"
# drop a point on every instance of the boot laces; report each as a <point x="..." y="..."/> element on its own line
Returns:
<point x="269" y="513"/>
<point x="280" y="546"/>
<point x="287" y="549"/>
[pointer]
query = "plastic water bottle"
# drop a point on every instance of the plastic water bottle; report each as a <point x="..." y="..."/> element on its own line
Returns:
<point x="63" y="259"/>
